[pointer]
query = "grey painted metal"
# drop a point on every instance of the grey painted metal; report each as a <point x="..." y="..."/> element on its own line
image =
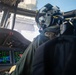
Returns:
<point x="20" y="11"/>
<point x="4" y="18"/>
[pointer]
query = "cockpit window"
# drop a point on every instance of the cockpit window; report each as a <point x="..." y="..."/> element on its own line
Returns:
<point x="26" y="26"/>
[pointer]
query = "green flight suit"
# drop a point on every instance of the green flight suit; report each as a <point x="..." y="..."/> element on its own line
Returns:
<point x="23" y="66"/>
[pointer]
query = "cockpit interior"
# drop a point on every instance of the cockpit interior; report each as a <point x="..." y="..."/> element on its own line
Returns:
<point x="12" y="43"/>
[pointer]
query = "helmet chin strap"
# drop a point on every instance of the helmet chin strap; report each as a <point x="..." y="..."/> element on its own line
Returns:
<point x="52" y="31"/>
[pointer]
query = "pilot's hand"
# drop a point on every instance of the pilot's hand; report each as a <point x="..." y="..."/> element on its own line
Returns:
<point x="12" y="69"/>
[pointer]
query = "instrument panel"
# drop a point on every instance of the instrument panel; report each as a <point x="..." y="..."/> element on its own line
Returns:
<point x="12" y="46"/>
<point x="9" y="57"/>
<point x="5" y="57"/>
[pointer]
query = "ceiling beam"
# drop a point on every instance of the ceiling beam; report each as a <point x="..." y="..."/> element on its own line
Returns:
<point x="32" y="13"/>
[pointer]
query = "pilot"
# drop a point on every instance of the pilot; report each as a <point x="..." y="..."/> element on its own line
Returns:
<point x="48" y="18"/>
